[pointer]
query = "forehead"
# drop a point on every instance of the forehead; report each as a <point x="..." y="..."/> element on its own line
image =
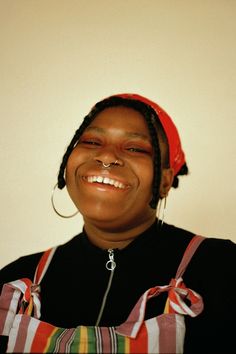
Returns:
<point x="120" y="119"/>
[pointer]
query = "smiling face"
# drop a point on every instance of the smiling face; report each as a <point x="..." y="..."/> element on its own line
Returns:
<point x="116" y="197"/>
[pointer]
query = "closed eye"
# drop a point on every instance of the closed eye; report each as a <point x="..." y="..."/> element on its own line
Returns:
<point x="137" y="149"/>
<point x="89" y="142"/>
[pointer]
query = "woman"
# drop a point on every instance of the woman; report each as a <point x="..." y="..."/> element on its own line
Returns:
<point x="129" y="283"/>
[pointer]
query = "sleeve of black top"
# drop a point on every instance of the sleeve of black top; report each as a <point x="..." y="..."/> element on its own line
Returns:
<point x="213" y="266"/>
<point x="23" y="267"/>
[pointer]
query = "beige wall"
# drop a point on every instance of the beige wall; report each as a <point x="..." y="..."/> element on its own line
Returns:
<point x="60" y="57"/>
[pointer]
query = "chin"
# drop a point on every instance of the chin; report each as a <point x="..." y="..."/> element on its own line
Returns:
<point x="101" y="216"/>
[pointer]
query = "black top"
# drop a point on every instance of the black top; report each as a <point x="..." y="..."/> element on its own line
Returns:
<point x="73" y="287"/>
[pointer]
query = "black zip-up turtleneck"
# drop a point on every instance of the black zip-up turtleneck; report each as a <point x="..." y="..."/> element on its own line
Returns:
<point x="73" y="288"/>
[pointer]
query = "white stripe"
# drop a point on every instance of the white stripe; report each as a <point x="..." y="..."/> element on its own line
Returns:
<point x="153" y="335"/>
<point x="19" y="284"/>
<point x="182" y="308"/>
<point x="113" y="340"/>
<point x="32" y="328"/>
<point x="98" y="340"/>
<point x="11" y="312"/>
<point x="13" y="334"/>
<point x="37" y="305"/>
<point x="180" y="333"/>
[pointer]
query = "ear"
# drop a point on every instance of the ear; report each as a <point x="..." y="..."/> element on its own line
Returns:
<point x="166" y="181"/>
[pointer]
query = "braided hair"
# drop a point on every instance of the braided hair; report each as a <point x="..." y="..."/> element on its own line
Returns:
<point x="156" y="132"/>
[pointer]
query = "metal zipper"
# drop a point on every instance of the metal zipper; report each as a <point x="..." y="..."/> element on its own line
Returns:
<point x="110" y="265"/>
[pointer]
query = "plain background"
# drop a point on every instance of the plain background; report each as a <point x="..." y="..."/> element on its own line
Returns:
<point x="59" y="57"/>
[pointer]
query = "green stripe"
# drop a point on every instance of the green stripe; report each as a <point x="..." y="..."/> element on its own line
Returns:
<point x="76" y="341"/>
<point x="74" y="348"/>
<point x="91" y="340"/>
<point x="53" y="340"/>
<point x="120" y="344"/>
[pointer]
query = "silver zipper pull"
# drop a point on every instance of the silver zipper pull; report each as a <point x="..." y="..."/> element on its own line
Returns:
<point x="111" y="264"/>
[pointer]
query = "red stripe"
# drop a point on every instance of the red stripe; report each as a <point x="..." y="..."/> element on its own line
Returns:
<point x="42" y="264"/>
<point x="42" y="335"/>
<point x="140" y="343"/>
<point x="28" y="284"/>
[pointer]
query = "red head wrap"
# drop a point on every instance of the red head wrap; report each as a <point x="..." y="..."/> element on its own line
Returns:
<point x="176" y="154"/>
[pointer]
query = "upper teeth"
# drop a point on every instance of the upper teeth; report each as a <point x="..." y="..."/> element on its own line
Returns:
<point x="105" y="180"/>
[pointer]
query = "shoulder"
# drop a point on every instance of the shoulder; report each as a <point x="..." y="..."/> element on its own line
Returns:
<point x="211" y="270"/>
<point x="216" y="256"/>
<point x="176" y="233"/>
<point x="175" y="238"/>
<point x="211" y="273"/>
<point x="24" y="267"/>
<point x="211" y="246"/>
<point x="216" y="250"/>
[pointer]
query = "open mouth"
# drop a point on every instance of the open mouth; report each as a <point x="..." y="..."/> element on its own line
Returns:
<point x="105" y="180"/>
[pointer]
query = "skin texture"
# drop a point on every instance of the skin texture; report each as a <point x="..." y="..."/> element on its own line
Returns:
<point x="114" y="216"/>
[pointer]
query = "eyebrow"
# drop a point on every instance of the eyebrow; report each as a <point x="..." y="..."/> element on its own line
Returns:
<point x="127" y="134"/>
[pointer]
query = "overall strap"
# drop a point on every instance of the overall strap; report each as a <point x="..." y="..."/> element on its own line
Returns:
<point x="177" y="295"/>
<point x="188" y="254"/>
<point x="22" y="296"/>
<point x="43" y="265"/>
<point x="32" y="294"/>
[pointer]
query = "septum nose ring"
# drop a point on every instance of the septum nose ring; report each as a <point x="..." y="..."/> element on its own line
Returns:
<point x="109" y="164"/>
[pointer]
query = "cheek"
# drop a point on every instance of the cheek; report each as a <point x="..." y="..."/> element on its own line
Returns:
<point x="71" y="166"/>
<point x="75" y="159"/>
<point x="144" y="171"/>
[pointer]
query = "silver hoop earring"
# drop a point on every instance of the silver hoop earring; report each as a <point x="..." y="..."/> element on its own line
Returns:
<point x="54" y="208"/>
<point x="161" y="210"/>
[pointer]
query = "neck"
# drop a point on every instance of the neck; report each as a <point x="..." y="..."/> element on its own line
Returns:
<point x="106" y="238"/>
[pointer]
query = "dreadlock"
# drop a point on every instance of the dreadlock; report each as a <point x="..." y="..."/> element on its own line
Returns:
<point x="156" y="132"/>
